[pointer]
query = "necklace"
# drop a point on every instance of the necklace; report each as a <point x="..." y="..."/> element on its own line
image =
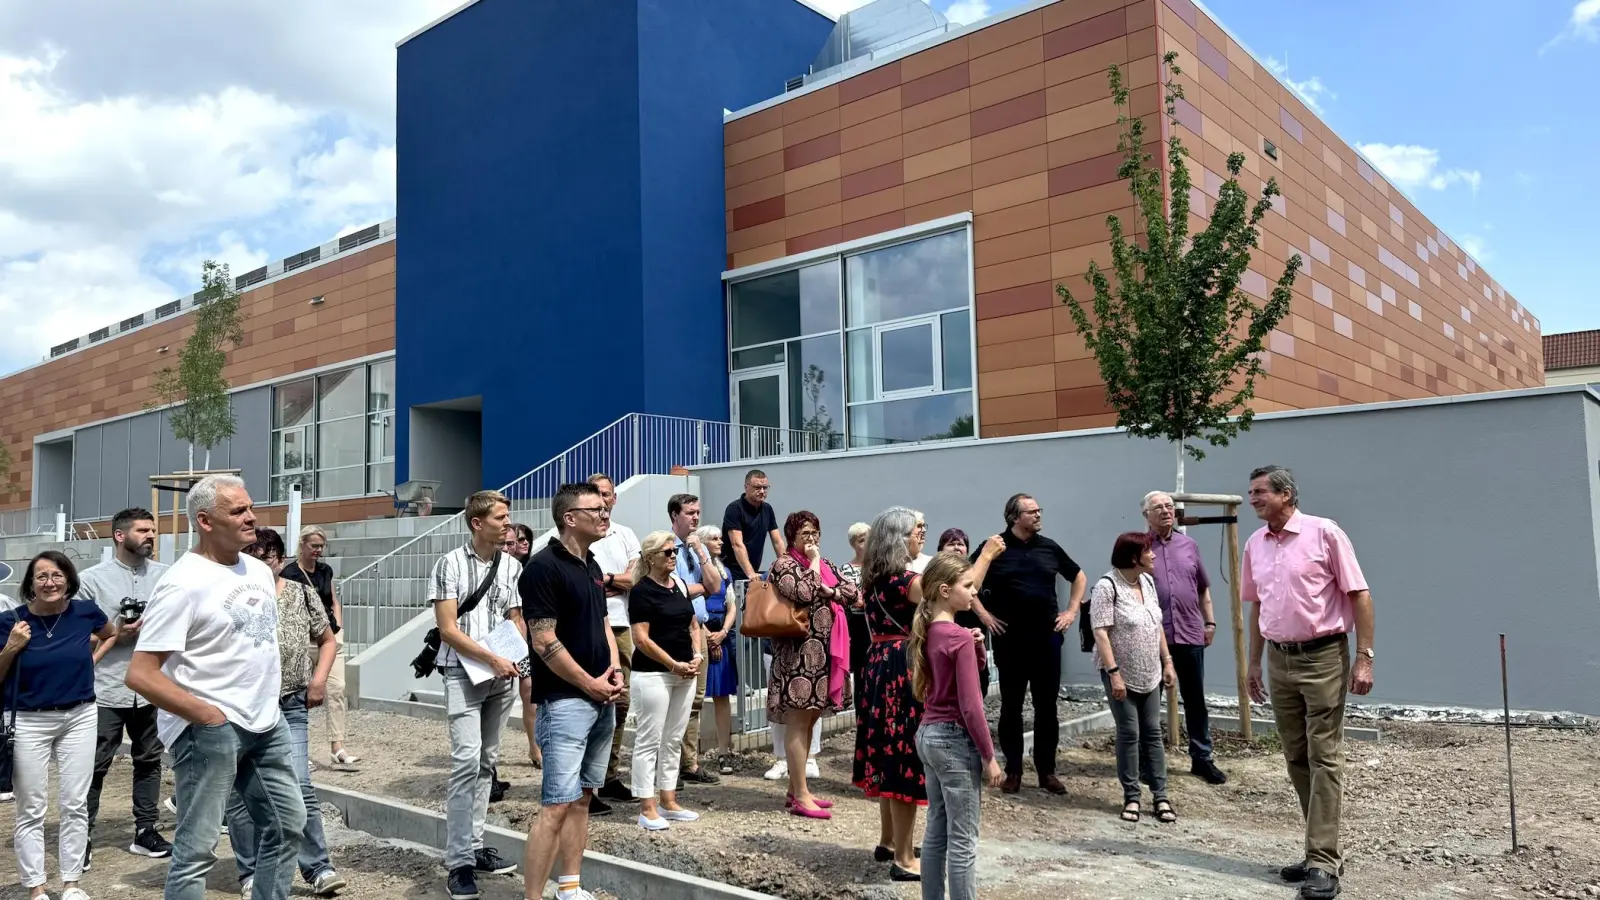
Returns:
<point x="1133" y="583"/>
<point x="50" y="630"/>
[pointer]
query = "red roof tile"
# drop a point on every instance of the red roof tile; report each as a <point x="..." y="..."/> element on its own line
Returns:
<point x="1572" y="350"/>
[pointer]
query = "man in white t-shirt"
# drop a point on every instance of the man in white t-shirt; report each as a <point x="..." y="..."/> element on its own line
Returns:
<point x="616" y="553"/>
<point x="208" y="659"/>
<point x="477" y="709"/>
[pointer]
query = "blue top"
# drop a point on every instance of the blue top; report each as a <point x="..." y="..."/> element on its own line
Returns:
<point x="56" y="669"/>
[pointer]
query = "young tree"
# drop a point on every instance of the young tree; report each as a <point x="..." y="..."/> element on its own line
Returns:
<point x="195" y="391"/>
<point x="1178" y="343"/>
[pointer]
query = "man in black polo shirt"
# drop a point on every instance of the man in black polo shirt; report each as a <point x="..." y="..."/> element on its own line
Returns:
<point x="1020" y="592"/>
<point x="746" y="525"/>
<point x="577" y="679"/>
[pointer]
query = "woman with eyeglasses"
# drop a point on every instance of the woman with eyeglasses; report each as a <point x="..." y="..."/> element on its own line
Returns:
<point x="887" y="767"/>
<point x="666" y="664"/>
<point x="307" y="650"/>
<point x="47" y="673"/>
<point x="810" y="675"/>
<point x="309" y="569"/>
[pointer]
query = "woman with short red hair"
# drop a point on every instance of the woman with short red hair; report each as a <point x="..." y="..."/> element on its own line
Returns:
<point x="1134" y="663"/>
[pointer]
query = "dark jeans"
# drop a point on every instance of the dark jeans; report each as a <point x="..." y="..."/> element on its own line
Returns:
<point x="1190" y="661"/>
<point x="1029" y="658"/>
<point x="1140" y="754"/>
<point x="140" y="724"/>
<point x="247" y="845"/>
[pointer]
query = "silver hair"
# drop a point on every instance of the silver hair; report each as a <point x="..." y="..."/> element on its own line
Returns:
<point x="706" y="533"/>
<point x="203" y="494"/>
<point x="887" y="552"/>
<point x="313" y="531"/>
<point x="857" y="532"/>
<point x="1281" y="480"/>
<point x="1144" y="505"/>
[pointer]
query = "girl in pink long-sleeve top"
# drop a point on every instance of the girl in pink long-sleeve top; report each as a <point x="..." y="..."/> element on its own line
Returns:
<point x="953" y="740"/>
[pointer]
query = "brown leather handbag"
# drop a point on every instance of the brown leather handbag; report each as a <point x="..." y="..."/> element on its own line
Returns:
<point x="767" y="615"/>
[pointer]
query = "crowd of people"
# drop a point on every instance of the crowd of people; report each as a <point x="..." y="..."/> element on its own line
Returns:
<point x="217" y="660"/>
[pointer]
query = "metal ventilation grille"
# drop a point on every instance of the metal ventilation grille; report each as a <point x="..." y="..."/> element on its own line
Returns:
<point x="168" y="309"/>
<point x="290" y="263"/>
<point x="254" y="276"/>
<point x="99" y="334"/>
<point x="131" y="323"/>
<point x="68" y="347"/>
<point x="794" y="84"/>
<point x="357" y="238"/>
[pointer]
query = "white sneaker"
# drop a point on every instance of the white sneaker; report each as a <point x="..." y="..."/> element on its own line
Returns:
<point x="327" y="884"/>
<point x="75" y="893"/>
<point x="7" y="796"/>
<point x="679" y="815"/>
<point x="778" y="772"/>
<point x="811" y="769"/>
<point x="246" y="887"/>
<point x="172" y="805"/>
<point x="649" y="824"/>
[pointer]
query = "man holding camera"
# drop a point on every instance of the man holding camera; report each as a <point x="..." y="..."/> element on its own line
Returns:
<point x="122" y="586"/>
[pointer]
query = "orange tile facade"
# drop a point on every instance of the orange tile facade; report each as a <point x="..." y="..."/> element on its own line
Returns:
<point x="1014" y="123"/>
<point x="283" y="334"/>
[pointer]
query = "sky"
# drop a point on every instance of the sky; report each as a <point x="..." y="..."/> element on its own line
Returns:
<point x="141" y="139"/>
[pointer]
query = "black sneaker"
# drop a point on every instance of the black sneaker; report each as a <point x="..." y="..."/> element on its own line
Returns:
<point x="88" y="854"/>
<point x="490" y="862"/>
<point x="462" y="885"/>
<point x="1208" y="771"/>
<point x="616" y="790"/>
<point x="149" y="842"/>
<point x="701" y="776"/>
<point x="598" y="807"/>
<point x="497" y="791"/>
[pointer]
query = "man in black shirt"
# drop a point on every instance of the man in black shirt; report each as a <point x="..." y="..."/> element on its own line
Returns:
<point x="746" y="525"/>
<point x="577" y="679"/>
<point x="1020" y="592"/>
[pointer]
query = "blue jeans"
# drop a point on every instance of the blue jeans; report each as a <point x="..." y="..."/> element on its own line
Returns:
<point x="242" y="831"/>
<point x="574" y="735"/>
<point x="209" y="763"/>
<point x="954" y="770"/>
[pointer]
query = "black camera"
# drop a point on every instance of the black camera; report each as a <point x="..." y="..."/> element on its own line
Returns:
<point x="131" y="609"/>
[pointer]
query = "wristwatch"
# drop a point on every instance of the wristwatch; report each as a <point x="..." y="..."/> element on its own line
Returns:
<point x="1367" y="652"/>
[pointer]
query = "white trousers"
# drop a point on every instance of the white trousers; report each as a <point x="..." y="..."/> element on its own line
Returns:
<point x="779" y="730"/>
<point x="661" y="703"/>
<point x="66" y="738"/>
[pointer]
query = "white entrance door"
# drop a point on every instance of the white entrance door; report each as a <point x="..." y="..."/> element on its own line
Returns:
<point x="760" y="412"/>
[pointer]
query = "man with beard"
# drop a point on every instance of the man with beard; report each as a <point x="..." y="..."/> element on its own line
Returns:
<point x="122" y="586"/>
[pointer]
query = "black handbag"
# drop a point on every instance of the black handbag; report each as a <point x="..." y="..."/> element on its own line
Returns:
<point x="424" y="665"/>
<point x="1085" y="631"/>
<point x="8" y="732"/>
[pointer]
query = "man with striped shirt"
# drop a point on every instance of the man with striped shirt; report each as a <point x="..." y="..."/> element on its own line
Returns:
<point x="477" y="712"/>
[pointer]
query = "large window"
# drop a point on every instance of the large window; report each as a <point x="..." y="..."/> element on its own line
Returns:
<point x="333" y="434"/>
<point x="863" y="349"/>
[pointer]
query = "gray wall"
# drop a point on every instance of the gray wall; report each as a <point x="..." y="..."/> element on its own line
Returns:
<point x="447" y="447"/>
<point x="1470" y="517"/>
<point x="52" y="474"/>
<point x="112" y="462"/>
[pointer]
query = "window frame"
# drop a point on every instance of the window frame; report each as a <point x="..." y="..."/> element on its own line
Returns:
<point x="309" y="477"/>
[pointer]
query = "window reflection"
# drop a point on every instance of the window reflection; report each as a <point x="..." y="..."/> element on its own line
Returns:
<point x="931" y="418"/>
<point x="908" y="279"/>
<point x="785" y="305"/>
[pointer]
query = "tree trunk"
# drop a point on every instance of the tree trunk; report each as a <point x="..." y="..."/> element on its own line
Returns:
<point x="208" y="459"/>
<point x="1179" y="445"/>
<point x="191" y="457"/>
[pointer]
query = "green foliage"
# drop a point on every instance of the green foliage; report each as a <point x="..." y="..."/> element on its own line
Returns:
<point x="195" y="390"/>
<point x="1178" y="343"/>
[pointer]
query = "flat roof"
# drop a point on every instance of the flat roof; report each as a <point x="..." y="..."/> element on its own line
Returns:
<point x="808" y="4"/>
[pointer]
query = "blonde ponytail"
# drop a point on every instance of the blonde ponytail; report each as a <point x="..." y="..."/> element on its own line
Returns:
<point x="945" y="570"/>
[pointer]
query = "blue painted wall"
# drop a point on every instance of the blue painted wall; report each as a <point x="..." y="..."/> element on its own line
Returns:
<point x="560" y="185"/>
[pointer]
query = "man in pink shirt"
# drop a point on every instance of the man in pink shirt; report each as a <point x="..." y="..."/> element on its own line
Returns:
<point x="1305" y="593"/>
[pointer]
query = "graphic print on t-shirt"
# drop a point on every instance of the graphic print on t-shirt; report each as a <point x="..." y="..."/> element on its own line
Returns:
<point x="252" y="618"/>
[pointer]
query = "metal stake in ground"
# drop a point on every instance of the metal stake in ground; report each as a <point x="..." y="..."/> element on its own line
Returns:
<point x="1505" y="700"/>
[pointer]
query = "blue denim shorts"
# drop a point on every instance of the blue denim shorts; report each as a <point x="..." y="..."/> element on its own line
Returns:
<point x="574" y="735"/>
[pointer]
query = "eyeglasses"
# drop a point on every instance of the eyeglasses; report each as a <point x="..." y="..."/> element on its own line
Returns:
<point x="670" y="551"/>
<point x="809" y="532"/>
<point x="599" y="511"/>
<point x="1032" y="512"/>
<point x="50" y="577"/>
<point x="318" y="548"/>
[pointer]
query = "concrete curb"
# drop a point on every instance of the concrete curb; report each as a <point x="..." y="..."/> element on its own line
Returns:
<point x="385" y="818"/>
<point x="1072" y="728"/>
<point x="1260" y="725"/>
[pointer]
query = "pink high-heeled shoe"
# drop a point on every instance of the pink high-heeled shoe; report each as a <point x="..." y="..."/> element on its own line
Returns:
<point x="821" y="803"/>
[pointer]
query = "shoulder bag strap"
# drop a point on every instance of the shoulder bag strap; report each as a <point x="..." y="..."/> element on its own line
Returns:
<point x="472" y="601"/>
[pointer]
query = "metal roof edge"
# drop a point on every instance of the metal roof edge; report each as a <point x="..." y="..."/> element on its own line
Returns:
<point x="449" y="15"/>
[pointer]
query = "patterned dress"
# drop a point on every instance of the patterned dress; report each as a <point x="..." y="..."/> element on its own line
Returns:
<point x="887" y="764"/>
<point x="799" y="677"/>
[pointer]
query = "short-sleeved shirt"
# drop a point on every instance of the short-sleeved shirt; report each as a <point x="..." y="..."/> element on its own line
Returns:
<point x="1180" y="577"/>
<point x="689" y="571"/>
<point x="1303" y="577"/>
<point x="456" y="576"/>
<point x="1135" y="628"/>
<point x="219" y="623"/>
<point x="615" y="553"/>
<point x="754" y="524"/>
<point x="1020" y="588"/>
<point x="56" y="669"/>
<point x="301" y="622"/>
<point x="557" y="585"/>
<point x="107" y="584"/>
<point x="669" y="614"/>
<point x="321" y="578"/>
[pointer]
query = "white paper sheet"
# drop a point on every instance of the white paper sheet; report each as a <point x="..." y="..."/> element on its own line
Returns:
<point x="504" y="641"/>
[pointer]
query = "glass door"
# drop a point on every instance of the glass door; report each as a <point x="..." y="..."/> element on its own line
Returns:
<point x="293" y="464"/>
<point x="760" y="412"/>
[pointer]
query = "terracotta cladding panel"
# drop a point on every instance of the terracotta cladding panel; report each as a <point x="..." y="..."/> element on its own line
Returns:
<point x="1005" y="115"/>
<point x="871" y="156"/>
<point x="756" y="213"/>
<point x="1007" y="141"/>
<point x="942" y="134"/>
<point x="807" y="129"/>
<point x="871" y="181"/>
<point x="936" y="209"/>
<point x="1061" y="15"/>
<point x="747" y="127"/>
<point x="869" y="83"/>
<point x="934" y="59"/>
<point x="815" y="150"/>
<point x="869" y="108"/>
<point x="1024" y="162"/>
<point x="1005" y="34"/>
<point x="935" y="85"/>
<point x="1009" y="303"/>
<point x="1086" y="174"/>
<point x="1085" y="34"/>
<point x="923" y="115"/>
<point x="1006" y="87"/>
<point x="875" y="225"/>
<point x="807" y="105"/>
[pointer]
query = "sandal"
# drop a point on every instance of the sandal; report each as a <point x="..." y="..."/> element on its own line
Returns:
<point x="1130" y="811"/>
<point x="1164" y="811"/>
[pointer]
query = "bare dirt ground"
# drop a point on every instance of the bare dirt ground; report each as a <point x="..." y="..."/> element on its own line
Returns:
<point x="374" y="869"/>
<point x="1425" y="817"/>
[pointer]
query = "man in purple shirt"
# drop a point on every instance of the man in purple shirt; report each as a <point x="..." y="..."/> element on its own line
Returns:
<point x="1185" y="595"/>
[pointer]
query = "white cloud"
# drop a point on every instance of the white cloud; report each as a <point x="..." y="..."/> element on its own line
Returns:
<point x="1581" y="24"/>
<point x="1475" y="244"/>
<point x="1311" y="91"/>
<point x="965" y="12"/>
<point x="1410" y="167"/>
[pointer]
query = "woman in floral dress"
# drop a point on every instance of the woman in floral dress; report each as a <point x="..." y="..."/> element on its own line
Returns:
<point x="887" y="766"/>
<point x="811" y="674"/>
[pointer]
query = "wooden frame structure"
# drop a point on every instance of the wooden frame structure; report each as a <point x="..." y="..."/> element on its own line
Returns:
<point x="1229" y="520"/>
<point x="178" y="485"/>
